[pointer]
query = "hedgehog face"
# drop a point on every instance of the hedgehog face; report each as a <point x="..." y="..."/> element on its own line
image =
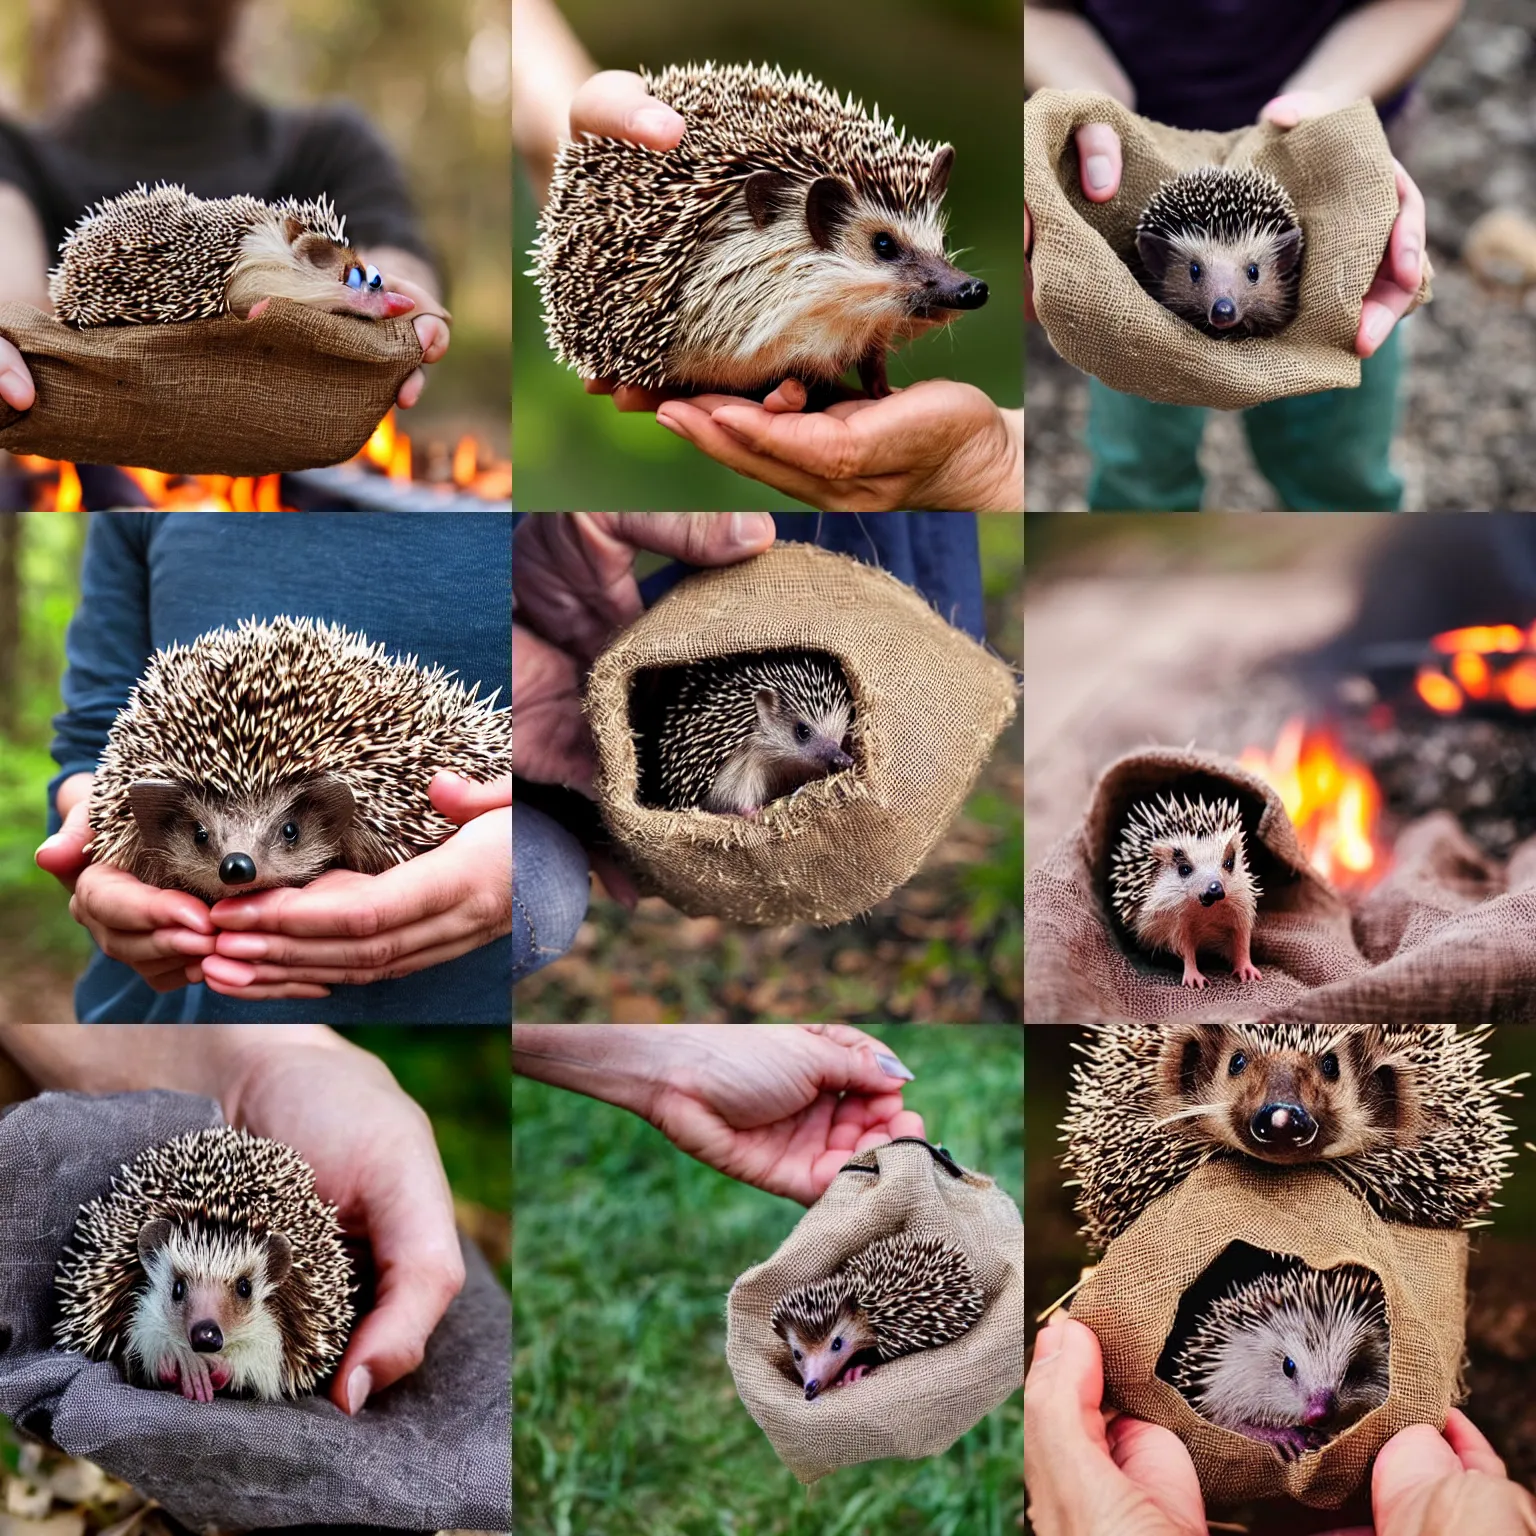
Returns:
<point x="284" y="257"/>
<point x="1197" y="871"/>
<point x="790" y="744"/>
<point x="822" y="1354"/>
<point x="204" y="1319"/>
<point x="1350" y="1094"/>
<point x="1239" y="287"/>
<point x="216" y="845"/>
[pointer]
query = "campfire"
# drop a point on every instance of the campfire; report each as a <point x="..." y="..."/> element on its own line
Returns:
<point x="390" y="473"/>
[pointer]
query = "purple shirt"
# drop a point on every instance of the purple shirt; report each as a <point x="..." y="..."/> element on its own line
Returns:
<point x="1213" y="63"/>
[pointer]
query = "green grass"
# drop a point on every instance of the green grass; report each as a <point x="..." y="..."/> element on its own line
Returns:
<point x="627" y="1420"/>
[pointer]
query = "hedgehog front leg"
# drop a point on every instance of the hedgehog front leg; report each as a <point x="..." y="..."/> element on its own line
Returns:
<point x="853" y="1373"/>
<point x="1187" y="952"/>
<point x="192" y="1375"/>
<point x="1242" y="961"/>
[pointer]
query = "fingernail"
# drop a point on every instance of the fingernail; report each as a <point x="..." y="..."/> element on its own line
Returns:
<point x="1411" y="254"/>
<point x="888" y="1064"/>
<point x="1377" y="327"/>
<point x="243" y="946"/>
<point x="670" y="425"/>
<point x="1100" y="171"/>
<point x="657" y="121"/>
<point x="359" y="1385"/>
<point x="747" y="527"/>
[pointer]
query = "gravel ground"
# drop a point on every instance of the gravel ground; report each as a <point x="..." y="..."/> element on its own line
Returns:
<point x="1470" y="389"/>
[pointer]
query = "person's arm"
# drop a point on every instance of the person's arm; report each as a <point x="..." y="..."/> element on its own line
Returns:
<point x="371" y="1146"/>
<point x="1063" y="52"/>
<point x="549" y="66"/>
<point x="23" y="280"/>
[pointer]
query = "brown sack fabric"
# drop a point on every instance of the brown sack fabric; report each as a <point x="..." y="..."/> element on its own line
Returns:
<point x="1445" y="935"/>
<point x="1338" y="171"/>
<point x="919" y="1404"/>
<point x="1131" y="1298"/>
<point x="928" y="702"/>
<point x="291" y="389"/>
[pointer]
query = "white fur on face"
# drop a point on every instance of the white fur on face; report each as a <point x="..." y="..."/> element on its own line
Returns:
<point x="1171" y="914"/>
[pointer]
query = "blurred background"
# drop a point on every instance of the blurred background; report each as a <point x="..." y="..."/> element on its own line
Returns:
<point x="434" y="80"/>
<point x="626" y="1420"/>
<point x="945" y="69"/>
<point x="946" y="947"/>
<point x="1501" y="1324"/>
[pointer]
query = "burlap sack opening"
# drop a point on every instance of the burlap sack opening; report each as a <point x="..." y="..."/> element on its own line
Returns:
<point x="1447" y="934"/>
<point x="914" y="1406"/>
<point x="928" y="701"/>
<point x="1131" y="1301"/>
<point x="291" y="389"/>
<point x="1338" y="171"/>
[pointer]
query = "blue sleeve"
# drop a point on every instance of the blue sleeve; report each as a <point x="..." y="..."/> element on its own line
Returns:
<point x="107" y="642"/>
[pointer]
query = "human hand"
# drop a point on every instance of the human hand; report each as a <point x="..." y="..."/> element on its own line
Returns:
<point x="1089" y="1477"/>
<point x="375" y="1159"/>
<point x="1099" y="163"/>
<point x="16" y="387"/>
<point x="1396" y="283"/>
<point x="349" y="929"/>
<point x="938" y="445"/>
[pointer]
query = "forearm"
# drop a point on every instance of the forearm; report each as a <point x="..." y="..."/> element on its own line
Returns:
<point x="23" y="251"/>
<point x="1375" y="50"/>
<point x="1065" y="53"/>
<point x="548" y="66"/>
<point x="617" y="1063"/>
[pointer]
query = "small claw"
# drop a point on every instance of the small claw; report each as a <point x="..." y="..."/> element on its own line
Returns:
<point x="1249" y="972"/>
<point x="1193" y="978"/>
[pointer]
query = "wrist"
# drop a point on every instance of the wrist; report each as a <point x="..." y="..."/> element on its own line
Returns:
<point x="241" y="1056"/>
<point x="621" y="1064"/>
<point x="1001" y="487"/>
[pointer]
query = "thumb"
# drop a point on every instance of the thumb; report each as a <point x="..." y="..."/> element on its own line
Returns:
<point x="1408" y="1465"/>
<point x="461" y="800"/>
<point x="696" y="538"/>
<point x="63" y="854"/>
<point x="858" y="1063"/>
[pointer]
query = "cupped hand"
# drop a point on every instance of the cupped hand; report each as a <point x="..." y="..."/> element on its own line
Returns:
<point x="348" y="929"/>
<point x="1099" y="164"/>
<point x="551" y="741"/>
<point x="375" y="1159"/>
<point x="781" y="1107"/>
<point x="573" y="578"/>
<point x="1396" y="283"/>
<point x="1087" y="1477"/>
<point x="938" y="445"/>
<point x="16" y="387"/>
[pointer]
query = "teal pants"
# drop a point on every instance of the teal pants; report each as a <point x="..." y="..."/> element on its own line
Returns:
<point x="1327" y="452"/>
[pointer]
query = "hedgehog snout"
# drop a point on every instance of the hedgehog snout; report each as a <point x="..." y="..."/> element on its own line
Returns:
<point x="237" y="869"/>
<point x="1283" y="1125"/>
<point x="1223" y="313"/>
<point x="945" y="286"/>
<point x="206" y="1337"/>
<point x="1321" y="1406"/>
<point x="811" y="1389"/>
<point x="1213" y="893"/>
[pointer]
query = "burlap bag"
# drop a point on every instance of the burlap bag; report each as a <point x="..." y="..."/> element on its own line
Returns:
<point x="1446" y="935"/>
<point x="1338" y="171"/>
<point x="914" y="1406"/>
<point x="929" y="703"/>
<point x="291" y="389"/>
<point x="1132" y="1297"/>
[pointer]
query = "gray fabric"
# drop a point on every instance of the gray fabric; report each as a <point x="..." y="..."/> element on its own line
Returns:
<point x="432" y="1452"/>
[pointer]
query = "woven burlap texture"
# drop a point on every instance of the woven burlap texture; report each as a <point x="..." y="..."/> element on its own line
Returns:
<point x="1338" y="171"/>
<point x="291" y="389"/>
<point x="928" y="701"/>
<point x="1447" y="934"/>
<point x="914" y="1406"/>
<point x="1131" y="1298"/>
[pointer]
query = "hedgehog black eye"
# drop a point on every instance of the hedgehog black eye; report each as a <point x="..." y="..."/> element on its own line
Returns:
<point x="837" y="1344"/>
<point x="1289" y="1367"/>
<point x="1194" y="271"/>
<point x="885" y="246"/>
<point x="179" y="1290"/>
<point x="243" y="1288"/>
<point x="1236" y="1065"/>
<point x="797" y="1354"/>
<point x="802" y="731"/>
<point x="1185" y="871"/>
<point x="199" y="833"/>
<point x="290" y="831"/>
<point x="1253" y="271"/>
<point x="1330" y="1066"/>
<point x="1228" y="862"/>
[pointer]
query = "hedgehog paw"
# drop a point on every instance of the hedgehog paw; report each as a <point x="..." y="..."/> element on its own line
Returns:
<point x="853" y="1373"/>
<point x="1249" y="972"/>
<point x="196" y="1380"/>
<point x="1192" y="977"/>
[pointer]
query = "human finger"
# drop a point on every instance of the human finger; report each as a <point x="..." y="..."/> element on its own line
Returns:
<point x="63" y="855"/>
<point x="1471" y="1445"/>
<point x="286" y="991"/>
<point x="1385" y="304"/>
<point x="1099" y="161"/>
<point x="1156" y="1460"/>
<point x="410" y="391"/>
<point x="728" y="448"/>
<point x="1405" y="1467"/>
<point x="16" y="386"/>
<point x="434" y="334"/>
<point x="858" y="1062"/>
<point x="696" y="538"/>
<point x="614" y="104"/>
<point x="789" y="397"/>
<point x="551" y="740"/>
<point x="345" y="904"/>
<point x="1292" y="107"/>
<point x="1405" y="245"/>
<point x="116" y="899"/>
<point x="461" y="799"/>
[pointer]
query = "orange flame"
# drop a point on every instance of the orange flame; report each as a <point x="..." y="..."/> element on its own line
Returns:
<point x="1467" y="672"/>
<point x="1332" y="800"/>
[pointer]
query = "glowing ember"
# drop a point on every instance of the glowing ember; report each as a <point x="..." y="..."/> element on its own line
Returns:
<point x="1485" y="663"/>
<point x="1333" y="801"/>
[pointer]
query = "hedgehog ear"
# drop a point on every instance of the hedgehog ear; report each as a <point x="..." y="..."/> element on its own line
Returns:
<point x="153" y="1236"/>
<point x="1162" y="852"/>
<point x="1288" y="251"/>
<point x="764" y="191"/>
<point x="329" y="802"/>
<point x="293" y="227"/>
<point x="938" y="172"/>
<point x="279" y="1257"/>
<point x="828" y="203"/>
<point x="156" y="805"/>
<point x="770" y="706"/>
<point x="1156" y="252"/>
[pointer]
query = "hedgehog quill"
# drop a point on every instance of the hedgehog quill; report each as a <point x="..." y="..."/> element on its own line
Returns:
<point x="789" y="235"/>
<point x="265" y="755"/>
<point x="211" y="1264"/>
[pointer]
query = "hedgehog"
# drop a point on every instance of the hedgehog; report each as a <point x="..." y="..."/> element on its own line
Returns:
<point x="1292" y="1357"/>
<point x="267" y="754"/>
<point x="1403" y="1115"/>
<point x="789" y="235"/>
<point x="1222" y="250"/>
<point x="163" y="256"/>
<point x="1179" y="881"/>
<point x="740" y="731"/>
<point x="211" y="1264"/>
<point x="898" y="1295"/>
